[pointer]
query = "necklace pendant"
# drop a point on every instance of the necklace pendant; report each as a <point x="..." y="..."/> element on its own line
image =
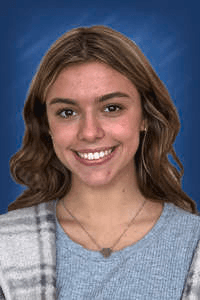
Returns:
<point x="106" y="252"/>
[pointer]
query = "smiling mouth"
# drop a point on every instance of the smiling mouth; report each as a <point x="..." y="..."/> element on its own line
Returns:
<point x="95" y="155"/>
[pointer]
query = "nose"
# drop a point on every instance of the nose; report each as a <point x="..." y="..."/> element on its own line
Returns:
<point x="90" y="129"/>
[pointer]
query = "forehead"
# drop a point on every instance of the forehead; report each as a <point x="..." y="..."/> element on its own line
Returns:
<point x="91" y="79"/>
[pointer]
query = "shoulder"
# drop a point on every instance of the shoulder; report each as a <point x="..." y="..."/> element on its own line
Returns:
<point x="28" y="216"/>
<point x="181" y="217"/>
<point x="26" y="225"/>
<point x="180" y="227"/>
<point x="25" y="232"/>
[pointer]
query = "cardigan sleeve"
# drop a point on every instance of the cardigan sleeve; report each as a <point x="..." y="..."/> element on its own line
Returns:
<point x="28" y="253"/>
<point x="192" y="285"/>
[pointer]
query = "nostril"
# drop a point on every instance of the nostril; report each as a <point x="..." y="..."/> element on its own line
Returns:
<point x="91" y="131"/>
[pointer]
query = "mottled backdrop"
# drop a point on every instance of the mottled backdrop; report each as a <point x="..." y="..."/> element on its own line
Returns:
<point x="168" y="32"/>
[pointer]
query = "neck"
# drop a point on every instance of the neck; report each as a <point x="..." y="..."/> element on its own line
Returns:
<point x="115" y="201"/>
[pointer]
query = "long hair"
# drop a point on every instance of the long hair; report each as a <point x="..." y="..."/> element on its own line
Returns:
<point x="36" y="165"/>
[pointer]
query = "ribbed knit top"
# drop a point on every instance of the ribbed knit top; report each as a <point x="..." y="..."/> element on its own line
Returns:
<point x="154" y="268"/>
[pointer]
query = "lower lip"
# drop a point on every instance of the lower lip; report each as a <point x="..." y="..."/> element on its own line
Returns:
<point x="98" y="162"/>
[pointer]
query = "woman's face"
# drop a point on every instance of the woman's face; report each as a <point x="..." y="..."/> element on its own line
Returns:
<point x="95" y="119"/>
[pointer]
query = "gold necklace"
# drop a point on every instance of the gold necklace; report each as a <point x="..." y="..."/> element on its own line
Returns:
<point x="106" y="252"/>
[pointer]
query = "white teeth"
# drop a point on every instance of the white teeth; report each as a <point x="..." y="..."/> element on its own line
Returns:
<point x="90" y="156"/>
<point x="95" y="156"/>
<point x="101" y="154"/>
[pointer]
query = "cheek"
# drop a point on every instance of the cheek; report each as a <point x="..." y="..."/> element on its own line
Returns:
<point x="62" y="135"/>
<point x="126" y="129"/>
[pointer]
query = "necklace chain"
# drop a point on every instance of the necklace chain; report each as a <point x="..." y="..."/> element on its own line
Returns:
<point x="106" y="252"/>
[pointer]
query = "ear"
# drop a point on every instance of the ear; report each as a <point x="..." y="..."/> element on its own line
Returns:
<point x="49" y="131"/>
<point x="144" y="125"/>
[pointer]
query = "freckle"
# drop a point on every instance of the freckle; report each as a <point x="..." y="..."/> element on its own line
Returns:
<point x="123" y="191"/>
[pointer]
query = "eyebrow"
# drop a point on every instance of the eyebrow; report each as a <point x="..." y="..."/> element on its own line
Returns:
<point x="98" y="99"/>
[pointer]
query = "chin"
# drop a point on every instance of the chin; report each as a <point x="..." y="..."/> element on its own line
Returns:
<point x="96" y="181"/>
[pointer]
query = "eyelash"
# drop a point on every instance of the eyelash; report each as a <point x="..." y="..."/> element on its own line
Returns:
<point x="120" y="108"/>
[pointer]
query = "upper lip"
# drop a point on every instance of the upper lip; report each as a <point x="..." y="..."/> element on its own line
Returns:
<point x="94" y="150"/>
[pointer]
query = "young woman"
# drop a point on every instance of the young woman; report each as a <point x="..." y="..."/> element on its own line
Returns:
<point x="104" y="215"/>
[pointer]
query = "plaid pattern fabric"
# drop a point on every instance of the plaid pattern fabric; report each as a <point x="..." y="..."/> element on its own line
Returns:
<point x="28" y="256"/>
<point x="28" y="253"/>
<point x="1" y="294"/>
<point x="192" y="286"/>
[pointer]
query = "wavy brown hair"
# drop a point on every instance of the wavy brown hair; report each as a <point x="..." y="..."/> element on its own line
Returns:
<point x="36" y="165"/>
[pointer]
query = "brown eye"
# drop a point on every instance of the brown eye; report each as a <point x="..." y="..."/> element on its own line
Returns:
<point x="113" y="108"/>
<point x="66" y="113"/>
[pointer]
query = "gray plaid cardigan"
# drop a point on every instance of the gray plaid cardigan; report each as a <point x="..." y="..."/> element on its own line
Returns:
<point x="192" y="286"/>
<point x="28" y="256"/>
<point x="28" y="253"/>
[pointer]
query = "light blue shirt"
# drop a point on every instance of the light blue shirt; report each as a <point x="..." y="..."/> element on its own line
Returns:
<point x="154" y="268"/>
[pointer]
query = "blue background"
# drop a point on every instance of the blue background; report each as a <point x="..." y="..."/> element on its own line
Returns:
<point x="168" y="32"/>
